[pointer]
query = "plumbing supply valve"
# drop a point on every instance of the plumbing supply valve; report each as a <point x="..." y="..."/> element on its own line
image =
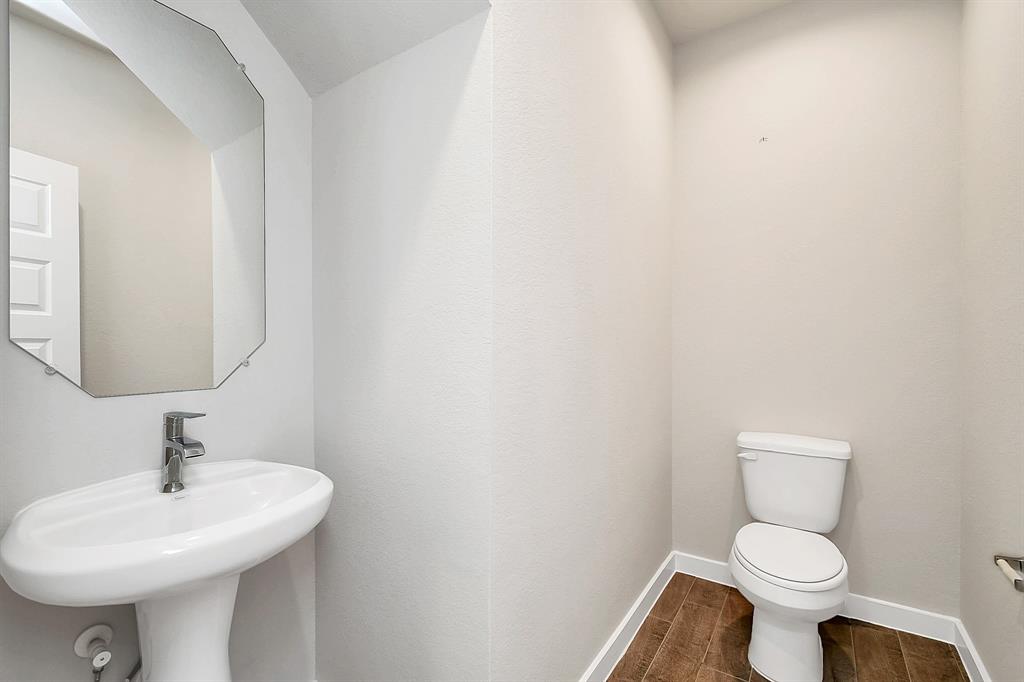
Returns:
<point x="94" y="644"/>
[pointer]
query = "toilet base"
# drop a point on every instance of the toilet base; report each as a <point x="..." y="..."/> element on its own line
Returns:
<point x="784" y="649"/>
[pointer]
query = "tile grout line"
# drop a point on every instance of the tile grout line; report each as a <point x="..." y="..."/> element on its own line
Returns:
<point x="645" y="621"/>
<point x="961" y="668"/>
<point x="714" y="631"/>
<point x="951" y="652"/>
<point x="903" y="655"/>
<point x="671" y="623"/>
<point x="660" y="644"/>
<point x="853" y="650"/>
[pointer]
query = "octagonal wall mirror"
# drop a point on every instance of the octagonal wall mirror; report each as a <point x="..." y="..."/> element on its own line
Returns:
<point x="136" y="197"/>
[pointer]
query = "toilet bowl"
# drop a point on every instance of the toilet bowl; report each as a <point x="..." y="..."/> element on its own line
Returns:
<point x="795" y="579"/>
<point x="792" y="574"/>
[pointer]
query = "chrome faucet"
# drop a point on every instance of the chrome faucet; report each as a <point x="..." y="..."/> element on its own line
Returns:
<point x="178" y="448"/>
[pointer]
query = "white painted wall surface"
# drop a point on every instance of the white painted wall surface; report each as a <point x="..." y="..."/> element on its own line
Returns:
<point x="992" y="471"/>
<point x="582" y="165"/>
<point x="403" y="307"/>
<point x="54" y="437"/>
<point x="816" y="285"/>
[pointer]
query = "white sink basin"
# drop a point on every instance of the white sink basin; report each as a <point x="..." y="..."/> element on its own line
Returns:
<point x="177" y="556"/>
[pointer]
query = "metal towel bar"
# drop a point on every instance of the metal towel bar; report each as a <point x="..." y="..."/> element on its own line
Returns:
<point x="1011" y="566"/>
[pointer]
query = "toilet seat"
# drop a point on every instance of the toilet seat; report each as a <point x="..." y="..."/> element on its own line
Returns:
<point x="790" y="558"/>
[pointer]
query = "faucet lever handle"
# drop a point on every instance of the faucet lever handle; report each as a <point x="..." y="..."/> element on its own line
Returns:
<point x="174" y="422"/>
<point x="168" y="416"/>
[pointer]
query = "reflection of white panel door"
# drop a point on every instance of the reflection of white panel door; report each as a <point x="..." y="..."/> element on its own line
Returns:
<point x="45" y="261"/>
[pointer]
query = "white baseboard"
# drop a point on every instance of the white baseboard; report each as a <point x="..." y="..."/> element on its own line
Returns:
<point x="612" y="651"/>
<point x="895" y="616"/>
<point x="970" y="656"/>
<point x="900" y="617"/>
<point x="709" y="569"/>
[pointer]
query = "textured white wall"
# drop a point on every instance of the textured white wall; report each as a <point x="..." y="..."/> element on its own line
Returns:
<point x="54" y="437"/>
<point x="816" y="276"/>
<point x="992" y="472"/>
<point x="403" y="306"/>
<point x="582" y="165"/>
<point x="577" y="374"/>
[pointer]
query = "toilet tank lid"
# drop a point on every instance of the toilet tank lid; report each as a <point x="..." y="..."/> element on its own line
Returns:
<point x="794" y="445"/>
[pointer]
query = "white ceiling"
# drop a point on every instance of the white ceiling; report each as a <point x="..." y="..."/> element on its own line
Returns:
<point x="326" y="42"/>
<point x="685" y="19"/>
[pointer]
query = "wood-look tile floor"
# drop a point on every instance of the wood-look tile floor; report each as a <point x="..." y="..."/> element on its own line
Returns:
<point x="698" y="631"/>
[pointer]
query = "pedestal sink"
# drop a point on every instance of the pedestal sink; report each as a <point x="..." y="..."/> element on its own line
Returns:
<point x="176" y="556"/>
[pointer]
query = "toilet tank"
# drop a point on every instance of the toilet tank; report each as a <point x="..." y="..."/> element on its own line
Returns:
<point x="794" y="481"/>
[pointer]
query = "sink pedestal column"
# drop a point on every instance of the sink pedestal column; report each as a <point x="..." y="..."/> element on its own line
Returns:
<point x="184" y="637"/>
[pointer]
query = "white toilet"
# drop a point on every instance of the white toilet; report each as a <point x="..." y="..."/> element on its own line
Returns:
<point x="794" y="577"/>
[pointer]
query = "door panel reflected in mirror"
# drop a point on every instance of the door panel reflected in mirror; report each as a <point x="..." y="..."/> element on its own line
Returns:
<point x="136" y="197"/>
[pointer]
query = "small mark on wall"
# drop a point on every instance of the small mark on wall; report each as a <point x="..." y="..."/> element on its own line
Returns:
<point x="763" y="139"/>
